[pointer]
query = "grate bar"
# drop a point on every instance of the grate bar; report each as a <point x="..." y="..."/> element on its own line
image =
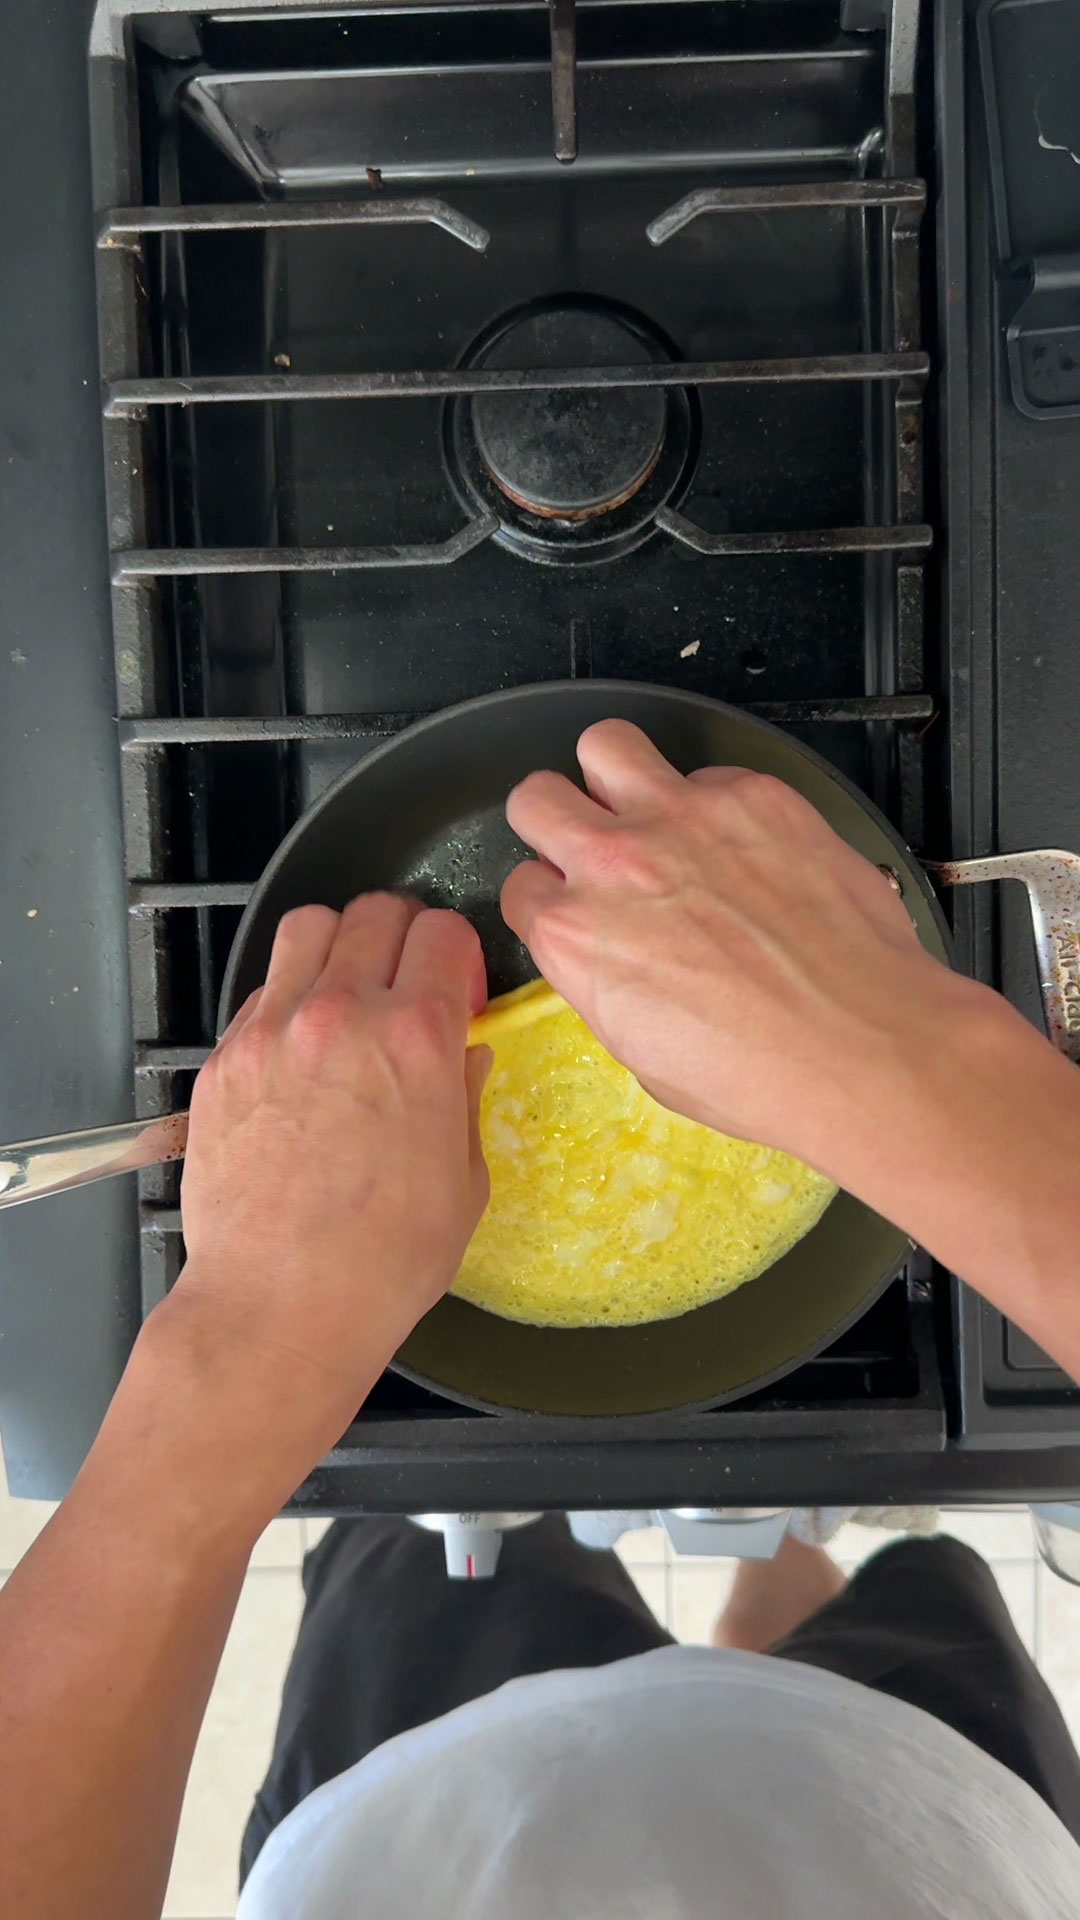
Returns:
<point x="161" y="1059"/>
<point x="162" y="562"/>
<point x="851" y="194"/>
<point x="903" y="42"/>
<point x="141" y="563"/>
<point x="126" y="397"/>
<point x="166" y="1220"/>
<point x="563" y="15"/>
<point x="900" y="539"/>
<point x="868" y="707"/>
<point x="160" y="896"/>
<point x="126" y="226"/>
<point x="232" y="730"/>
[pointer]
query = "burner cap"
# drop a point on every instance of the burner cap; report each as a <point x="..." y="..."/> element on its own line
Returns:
<point x="576" y="453"/>
<point x="574" y="476"/>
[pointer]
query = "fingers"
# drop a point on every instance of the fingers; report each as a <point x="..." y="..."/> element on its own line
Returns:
<point x="442" y="955"/>
<point x="527" y="892"/>
<point x="622" y="768"/>
<point x="553" y="816"/>
<point x="369" y="942"/>
<point x="242" y="1016"/>
<point x="301" y="945"/>
<point x="718" y="777"/>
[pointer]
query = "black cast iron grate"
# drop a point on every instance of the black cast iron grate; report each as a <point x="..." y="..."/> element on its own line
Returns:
<point x="222" y="745"/>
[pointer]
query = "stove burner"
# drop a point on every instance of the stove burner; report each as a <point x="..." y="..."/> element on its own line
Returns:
<point x="573" y="474"/>
<point x="573" y="454"/>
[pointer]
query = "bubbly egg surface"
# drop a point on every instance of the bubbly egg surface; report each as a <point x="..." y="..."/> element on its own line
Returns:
<point x="606" y="1209"/>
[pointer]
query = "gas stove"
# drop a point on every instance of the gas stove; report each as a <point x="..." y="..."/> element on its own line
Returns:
<point x="450" y="348"/>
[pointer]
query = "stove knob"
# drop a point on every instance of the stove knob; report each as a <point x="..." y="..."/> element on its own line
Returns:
<point x="743" y="1533"/>
<point x="1057" y="1536"/>
<point x="472" y="1541"/>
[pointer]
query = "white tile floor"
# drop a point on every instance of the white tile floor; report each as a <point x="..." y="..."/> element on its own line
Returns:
<point x="684" y="1595"/>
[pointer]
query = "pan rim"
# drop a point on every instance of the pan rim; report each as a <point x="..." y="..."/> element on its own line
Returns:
<point x="757" y="1384"/>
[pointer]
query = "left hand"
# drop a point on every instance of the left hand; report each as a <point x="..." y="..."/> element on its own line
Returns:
<point x="334" y="1174"/>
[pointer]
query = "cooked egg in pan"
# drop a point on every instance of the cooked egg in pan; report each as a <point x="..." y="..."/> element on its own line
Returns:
<point x="606" y="1209"/>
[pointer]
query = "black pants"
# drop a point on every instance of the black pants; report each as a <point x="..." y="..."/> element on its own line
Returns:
<point x="387" y="1642"/>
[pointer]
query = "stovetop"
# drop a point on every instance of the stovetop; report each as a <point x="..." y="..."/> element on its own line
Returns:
<point x="329" y="243"/>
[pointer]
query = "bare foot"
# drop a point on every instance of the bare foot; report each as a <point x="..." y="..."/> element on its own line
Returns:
<point x="770" y="1598"/>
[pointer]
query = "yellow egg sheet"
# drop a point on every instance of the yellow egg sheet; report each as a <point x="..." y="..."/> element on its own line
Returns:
<point x="606" y="1209"/>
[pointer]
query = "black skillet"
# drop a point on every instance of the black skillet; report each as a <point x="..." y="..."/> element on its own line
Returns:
<point x="424" y="814"/>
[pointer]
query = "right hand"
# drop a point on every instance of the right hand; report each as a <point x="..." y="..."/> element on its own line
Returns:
<point x="722" y="941"/>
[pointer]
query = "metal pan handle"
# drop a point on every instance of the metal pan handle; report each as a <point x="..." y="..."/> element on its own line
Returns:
<point x="1052" y="880"/>
<point x="36" y="1167"/>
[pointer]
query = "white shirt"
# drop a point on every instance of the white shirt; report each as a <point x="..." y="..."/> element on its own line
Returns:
<point x="686" y="1782"/>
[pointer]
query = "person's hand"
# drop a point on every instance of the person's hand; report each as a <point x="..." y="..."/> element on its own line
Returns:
<point x="720" y="939"/>
<point x="334" y="1174"/>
